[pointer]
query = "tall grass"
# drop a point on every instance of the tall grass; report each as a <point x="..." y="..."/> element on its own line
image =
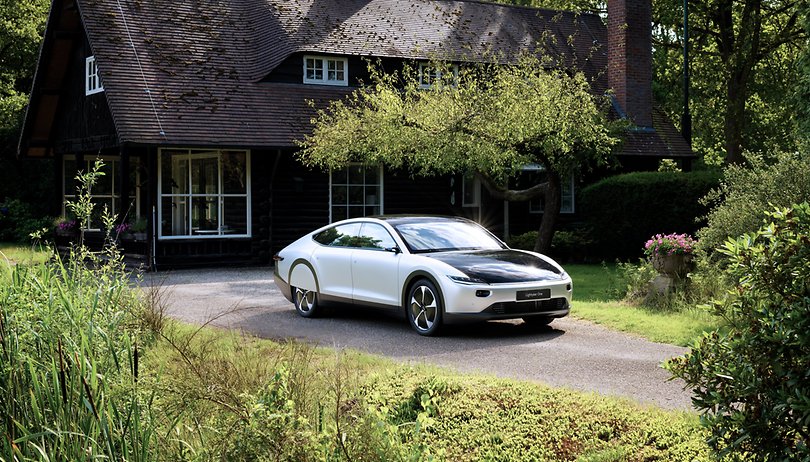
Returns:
<point x="69" y="336"/>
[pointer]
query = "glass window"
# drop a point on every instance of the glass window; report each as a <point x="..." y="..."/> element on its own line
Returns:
<point x="535" y="174"/>
<point x="339" y="236"/>
<point x="356" y="191"/>
<point x="471" y="191"/>
<point x="429" y="74"/>
<point x="92" y="82"/>
<point x="106" y="189"/>
<point x="445" y="235"/>
<point x="204" y="193"/>
<point x="374" y="236"/>
<point x="326" y="70"/>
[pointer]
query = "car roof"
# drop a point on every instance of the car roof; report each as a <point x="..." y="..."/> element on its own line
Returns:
<point x="395" y="220"/>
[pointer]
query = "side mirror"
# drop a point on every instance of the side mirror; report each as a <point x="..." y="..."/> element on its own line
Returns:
<point x="395" y="250"/>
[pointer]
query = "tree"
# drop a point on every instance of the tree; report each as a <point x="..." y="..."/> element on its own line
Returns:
<point x="22" y="24"/>
<point x="489" y="121"/>
<point x="742" y="56"/>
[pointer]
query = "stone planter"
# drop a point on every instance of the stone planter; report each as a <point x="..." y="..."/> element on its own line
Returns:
<point x="672" y="265"/>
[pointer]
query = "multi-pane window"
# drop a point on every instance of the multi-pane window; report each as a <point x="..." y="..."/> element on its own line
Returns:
<point x="430" y="74"/>
<point x="355" y="191"/>
<point x="326" y="70"/>
<point x="92" y="82"/>
<point x="535" y="174"/>
<point x="105" y="191"/>
<point x="204" y="193"/>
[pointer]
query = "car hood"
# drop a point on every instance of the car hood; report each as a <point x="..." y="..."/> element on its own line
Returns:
<point x="500" y="266"/>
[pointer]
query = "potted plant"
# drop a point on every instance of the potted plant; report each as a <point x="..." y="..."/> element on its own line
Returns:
<point x="670" y="254"/>
<point x="123" y="231"/>
<point x="65" y="227"/>
<point x="138" y="229"/>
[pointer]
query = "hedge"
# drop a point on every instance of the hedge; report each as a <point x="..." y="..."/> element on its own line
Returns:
<point x="623" y="211"/>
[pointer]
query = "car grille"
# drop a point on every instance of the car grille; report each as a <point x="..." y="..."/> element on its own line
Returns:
<point x="536" y="306"/>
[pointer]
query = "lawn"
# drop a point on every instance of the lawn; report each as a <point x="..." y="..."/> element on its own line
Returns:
<point x="19" y="253"/>
<point x="594" y="300"/>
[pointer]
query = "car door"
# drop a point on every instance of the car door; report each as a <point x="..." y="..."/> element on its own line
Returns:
<point x="332" y="260"/>
<point x="375" y="267"/>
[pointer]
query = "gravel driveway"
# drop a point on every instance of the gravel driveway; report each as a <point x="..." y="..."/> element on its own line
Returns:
<point x="569" y="353"/>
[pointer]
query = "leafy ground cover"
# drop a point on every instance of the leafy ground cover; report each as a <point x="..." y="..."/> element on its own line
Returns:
<point x="595" y="300"/>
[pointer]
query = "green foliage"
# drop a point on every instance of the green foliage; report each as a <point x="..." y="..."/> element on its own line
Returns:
<point x="69" y="341"/>
<point x="476" y="418"/>
<point x="623" y="211"/>
<point x="515" y="115"/>
<point x="751" y="382"/>
<point x="18" y="221"/>
<point x="738" y="204"/>
<point x="566" y="246"/>
<point x="742" y="62"/>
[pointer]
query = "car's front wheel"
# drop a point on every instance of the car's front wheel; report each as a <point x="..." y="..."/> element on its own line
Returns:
<point x="424" y="308"/>
<point x="306" y="302"/>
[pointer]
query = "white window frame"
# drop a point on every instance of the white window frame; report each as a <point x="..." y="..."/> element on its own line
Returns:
<point x="324" y="62"/>
<point x="92" y="81"/>
<point x="220" y="234"/>
<point x="114" y="163"/>
<point x="536" y="205"/>
<point x="380" y="186"/>
<point x="438" y="76"/>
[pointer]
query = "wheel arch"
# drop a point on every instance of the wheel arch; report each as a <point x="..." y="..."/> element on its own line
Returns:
<point x="411" y="279"/>
<point x="302" y="261"/>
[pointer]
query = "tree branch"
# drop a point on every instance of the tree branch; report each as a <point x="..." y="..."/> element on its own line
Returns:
<point x="512" y="195"/>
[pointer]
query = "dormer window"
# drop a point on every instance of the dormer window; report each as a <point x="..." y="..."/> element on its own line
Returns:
<point x="430" y="74"/>
<point x="92" y="82"/>
<point x="325" y="70"/>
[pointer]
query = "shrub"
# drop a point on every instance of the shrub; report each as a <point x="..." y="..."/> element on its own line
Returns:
<point x="751" y="382"/>
<point x="18" y="221"/>
<point x="623" y="211"/>
<point x="566" y="246"/>
<point x="746" y="193"/>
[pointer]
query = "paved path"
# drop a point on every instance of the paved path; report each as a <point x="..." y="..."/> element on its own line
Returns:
<point x="568" y="353"/>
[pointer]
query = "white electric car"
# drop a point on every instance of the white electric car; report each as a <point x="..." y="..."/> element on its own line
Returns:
<point x="436" y="269"/>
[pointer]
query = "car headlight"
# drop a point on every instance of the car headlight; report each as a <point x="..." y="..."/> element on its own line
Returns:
<point x="466" y="280"/>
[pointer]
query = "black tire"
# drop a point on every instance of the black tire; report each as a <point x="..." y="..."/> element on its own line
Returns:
<point x="424" y="308"/>
<point x="538" y="321"/>
<point x="306" y="302"/>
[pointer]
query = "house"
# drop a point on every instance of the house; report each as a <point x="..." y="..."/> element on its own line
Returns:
<point x="195" y="105"/>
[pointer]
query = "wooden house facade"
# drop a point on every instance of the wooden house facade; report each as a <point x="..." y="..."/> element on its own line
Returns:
<point x="195" y="107"/>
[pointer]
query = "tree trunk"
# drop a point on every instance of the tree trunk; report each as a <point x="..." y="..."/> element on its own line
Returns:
<point x="551" y="210"/>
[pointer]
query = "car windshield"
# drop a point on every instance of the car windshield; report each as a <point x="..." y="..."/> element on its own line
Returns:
<point x="446" y="235"/>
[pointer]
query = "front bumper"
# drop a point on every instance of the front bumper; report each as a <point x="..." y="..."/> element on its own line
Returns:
<point x="500" y="301"/>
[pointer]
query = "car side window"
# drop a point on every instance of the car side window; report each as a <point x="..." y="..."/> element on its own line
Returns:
<point x="374" y="236"/>
<point x="339" y="236"/>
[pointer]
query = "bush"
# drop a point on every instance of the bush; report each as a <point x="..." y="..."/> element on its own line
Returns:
<point x="623" y="211"/>
<point x="746" y="193"/>
<point x="18" y="221"/>
<point x="751" y="382"/>
<point x="566" y="246"/>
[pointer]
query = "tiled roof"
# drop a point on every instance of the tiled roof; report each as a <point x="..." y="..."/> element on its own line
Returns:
<point x="203" y="61"/>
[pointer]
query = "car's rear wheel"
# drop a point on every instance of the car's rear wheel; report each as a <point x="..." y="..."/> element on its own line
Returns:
<point x="424" y="308"/>
<point x="306" y="302"/>
<point x="538" y="321"/>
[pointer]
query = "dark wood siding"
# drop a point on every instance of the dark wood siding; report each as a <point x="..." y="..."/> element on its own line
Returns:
<point x="83" y="122"/>
<point x="300" y="201"/>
